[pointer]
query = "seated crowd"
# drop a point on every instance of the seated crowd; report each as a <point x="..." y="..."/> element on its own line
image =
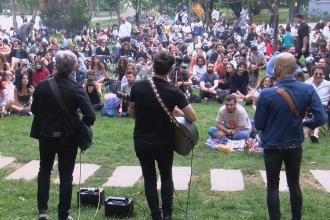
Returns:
<point x="223" y="63"/>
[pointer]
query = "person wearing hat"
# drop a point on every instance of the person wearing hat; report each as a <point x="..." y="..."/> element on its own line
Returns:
<point x="257" y="56"/>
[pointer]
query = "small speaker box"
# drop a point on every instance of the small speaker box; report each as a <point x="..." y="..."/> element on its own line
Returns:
<point x="90" y="196"/>
<point x="119" y="207"/>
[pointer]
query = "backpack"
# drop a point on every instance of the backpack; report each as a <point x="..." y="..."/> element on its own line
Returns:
<point x="111" y="107"/>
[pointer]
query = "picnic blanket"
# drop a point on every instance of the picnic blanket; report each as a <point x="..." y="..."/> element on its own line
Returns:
<point x="251" y="145"/>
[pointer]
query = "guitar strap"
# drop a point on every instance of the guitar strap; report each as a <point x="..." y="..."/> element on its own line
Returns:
<point x="160" y="101"/>
<point x="286" y="96"/>
<point x="172" y="119"/>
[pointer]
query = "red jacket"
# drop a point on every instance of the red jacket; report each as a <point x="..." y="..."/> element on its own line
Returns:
<point x="38" y="76"/>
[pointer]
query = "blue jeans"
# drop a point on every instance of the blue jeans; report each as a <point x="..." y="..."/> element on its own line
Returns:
<point x="238" y="135"/>
<point x="273" y="162"/>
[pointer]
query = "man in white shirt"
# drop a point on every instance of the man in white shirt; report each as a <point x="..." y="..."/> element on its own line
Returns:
<point x="215" y="15"/>
<point x="186" y="29"/>
<point x="125" y="30"/>
<point x="322" y="87"/>
<point x="232" y="122"/>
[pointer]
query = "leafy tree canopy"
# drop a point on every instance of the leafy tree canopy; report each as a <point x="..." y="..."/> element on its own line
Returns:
<point x="71" y="15"/>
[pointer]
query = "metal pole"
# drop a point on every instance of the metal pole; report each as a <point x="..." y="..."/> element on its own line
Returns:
<point x="97" y="10"/>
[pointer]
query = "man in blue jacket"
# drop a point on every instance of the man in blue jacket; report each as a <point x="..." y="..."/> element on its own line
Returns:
<point x="282" y="132"/>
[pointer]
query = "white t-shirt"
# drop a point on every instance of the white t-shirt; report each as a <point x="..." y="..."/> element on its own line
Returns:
<point x="125" y="29"/>
<point x="238" y="118"/>
<point x="215" y="15"/>
<point x="323" y="90"/>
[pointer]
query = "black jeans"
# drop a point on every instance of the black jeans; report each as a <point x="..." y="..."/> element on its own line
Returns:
<point x="273" y="162"/>
<point x="66" y="151"/>
<point x="164" y="158"/>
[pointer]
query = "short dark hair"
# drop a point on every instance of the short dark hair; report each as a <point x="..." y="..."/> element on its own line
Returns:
<point x="230" y="97"/>
<point x="317" y="68"/>
<point x="254" y="48"/>
<point x="299" y="16"/>
<point x="242" y="63"/>
<point x="163" y="62"/>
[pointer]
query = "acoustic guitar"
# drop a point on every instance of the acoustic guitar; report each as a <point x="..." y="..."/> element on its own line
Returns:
<point x="185" y="136"/>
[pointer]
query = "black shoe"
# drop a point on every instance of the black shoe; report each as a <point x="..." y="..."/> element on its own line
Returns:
<point x="167" y="218"/>
<point x="314" y="138"/>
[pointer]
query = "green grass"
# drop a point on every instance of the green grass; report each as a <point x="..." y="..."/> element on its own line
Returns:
<point x="104" y="23"/>
<point x="263" y="16"/>
<point x="114" y="146"/>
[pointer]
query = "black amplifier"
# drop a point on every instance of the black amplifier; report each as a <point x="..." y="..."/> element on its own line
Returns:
<point x="90" y="196"/>
<point x="121" y="207"/>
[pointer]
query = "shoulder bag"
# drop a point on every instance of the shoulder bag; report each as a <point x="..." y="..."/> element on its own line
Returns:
<point x="84" y="132"/>
<point x="185" y="133"/>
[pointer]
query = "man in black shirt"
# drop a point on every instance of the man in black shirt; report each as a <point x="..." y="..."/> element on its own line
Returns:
<point x="153" y="133"/>
<point x="302" y="47"/>
<point x="56" y="134"/>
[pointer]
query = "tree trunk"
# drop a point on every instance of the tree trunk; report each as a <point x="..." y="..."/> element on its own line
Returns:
<point x="13" y="11"/>
<point x="35" y="10"/>
<point x="236" y="7"/>
<point x="118" y="11"/>
<point x="276" y="18"/>
<point x="208" y="7"/>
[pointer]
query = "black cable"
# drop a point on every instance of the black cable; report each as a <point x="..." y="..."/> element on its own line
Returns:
<point x="189" y="186"/>
<point x="79" y="201"/>
<point x="186" y="210"/>
<point x="140" y="207"/>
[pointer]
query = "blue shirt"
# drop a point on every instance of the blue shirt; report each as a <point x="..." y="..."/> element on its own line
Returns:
<point x="287" y="40"/>
<point x="280" y="127"/>
<point x="270" y="65"/>
<point x="209" y="79"/>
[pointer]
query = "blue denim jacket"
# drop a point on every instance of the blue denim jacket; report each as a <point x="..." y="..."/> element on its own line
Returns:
<point x="280" y="127"/>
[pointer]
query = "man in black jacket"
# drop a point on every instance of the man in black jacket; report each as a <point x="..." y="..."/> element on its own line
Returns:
<point x="56" y="133"/>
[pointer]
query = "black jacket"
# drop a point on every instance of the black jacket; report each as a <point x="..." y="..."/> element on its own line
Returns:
<point x="48" y="116"/>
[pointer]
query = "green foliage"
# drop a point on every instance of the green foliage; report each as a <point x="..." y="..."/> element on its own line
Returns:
<point x="71" y="15"/>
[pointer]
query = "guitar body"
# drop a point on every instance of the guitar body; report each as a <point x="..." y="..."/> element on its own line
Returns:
<point x="185" y="136"/>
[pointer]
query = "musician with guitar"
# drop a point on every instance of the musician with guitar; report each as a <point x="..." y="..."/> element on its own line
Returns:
<point x="154" y="131"/>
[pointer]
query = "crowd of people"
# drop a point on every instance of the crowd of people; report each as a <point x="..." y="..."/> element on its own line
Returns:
<point x="219" y="59"/>
<point x="221" y="62"/>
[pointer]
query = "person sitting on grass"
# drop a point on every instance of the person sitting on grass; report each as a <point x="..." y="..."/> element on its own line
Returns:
<point x="22" y="96"/>
<point x="93" y="89"/>
<point x="322" y="87"/>
<point x="265" y="82"/>
<point x="5" y="100"/>
<point x="232" y="122"/>
<point x="239" y="84"/>
<point x="209" y="83"/>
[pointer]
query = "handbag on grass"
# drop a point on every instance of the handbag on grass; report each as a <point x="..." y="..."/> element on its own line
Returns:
<point x="185" y="132"/>
<point x="84" y="132"/>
